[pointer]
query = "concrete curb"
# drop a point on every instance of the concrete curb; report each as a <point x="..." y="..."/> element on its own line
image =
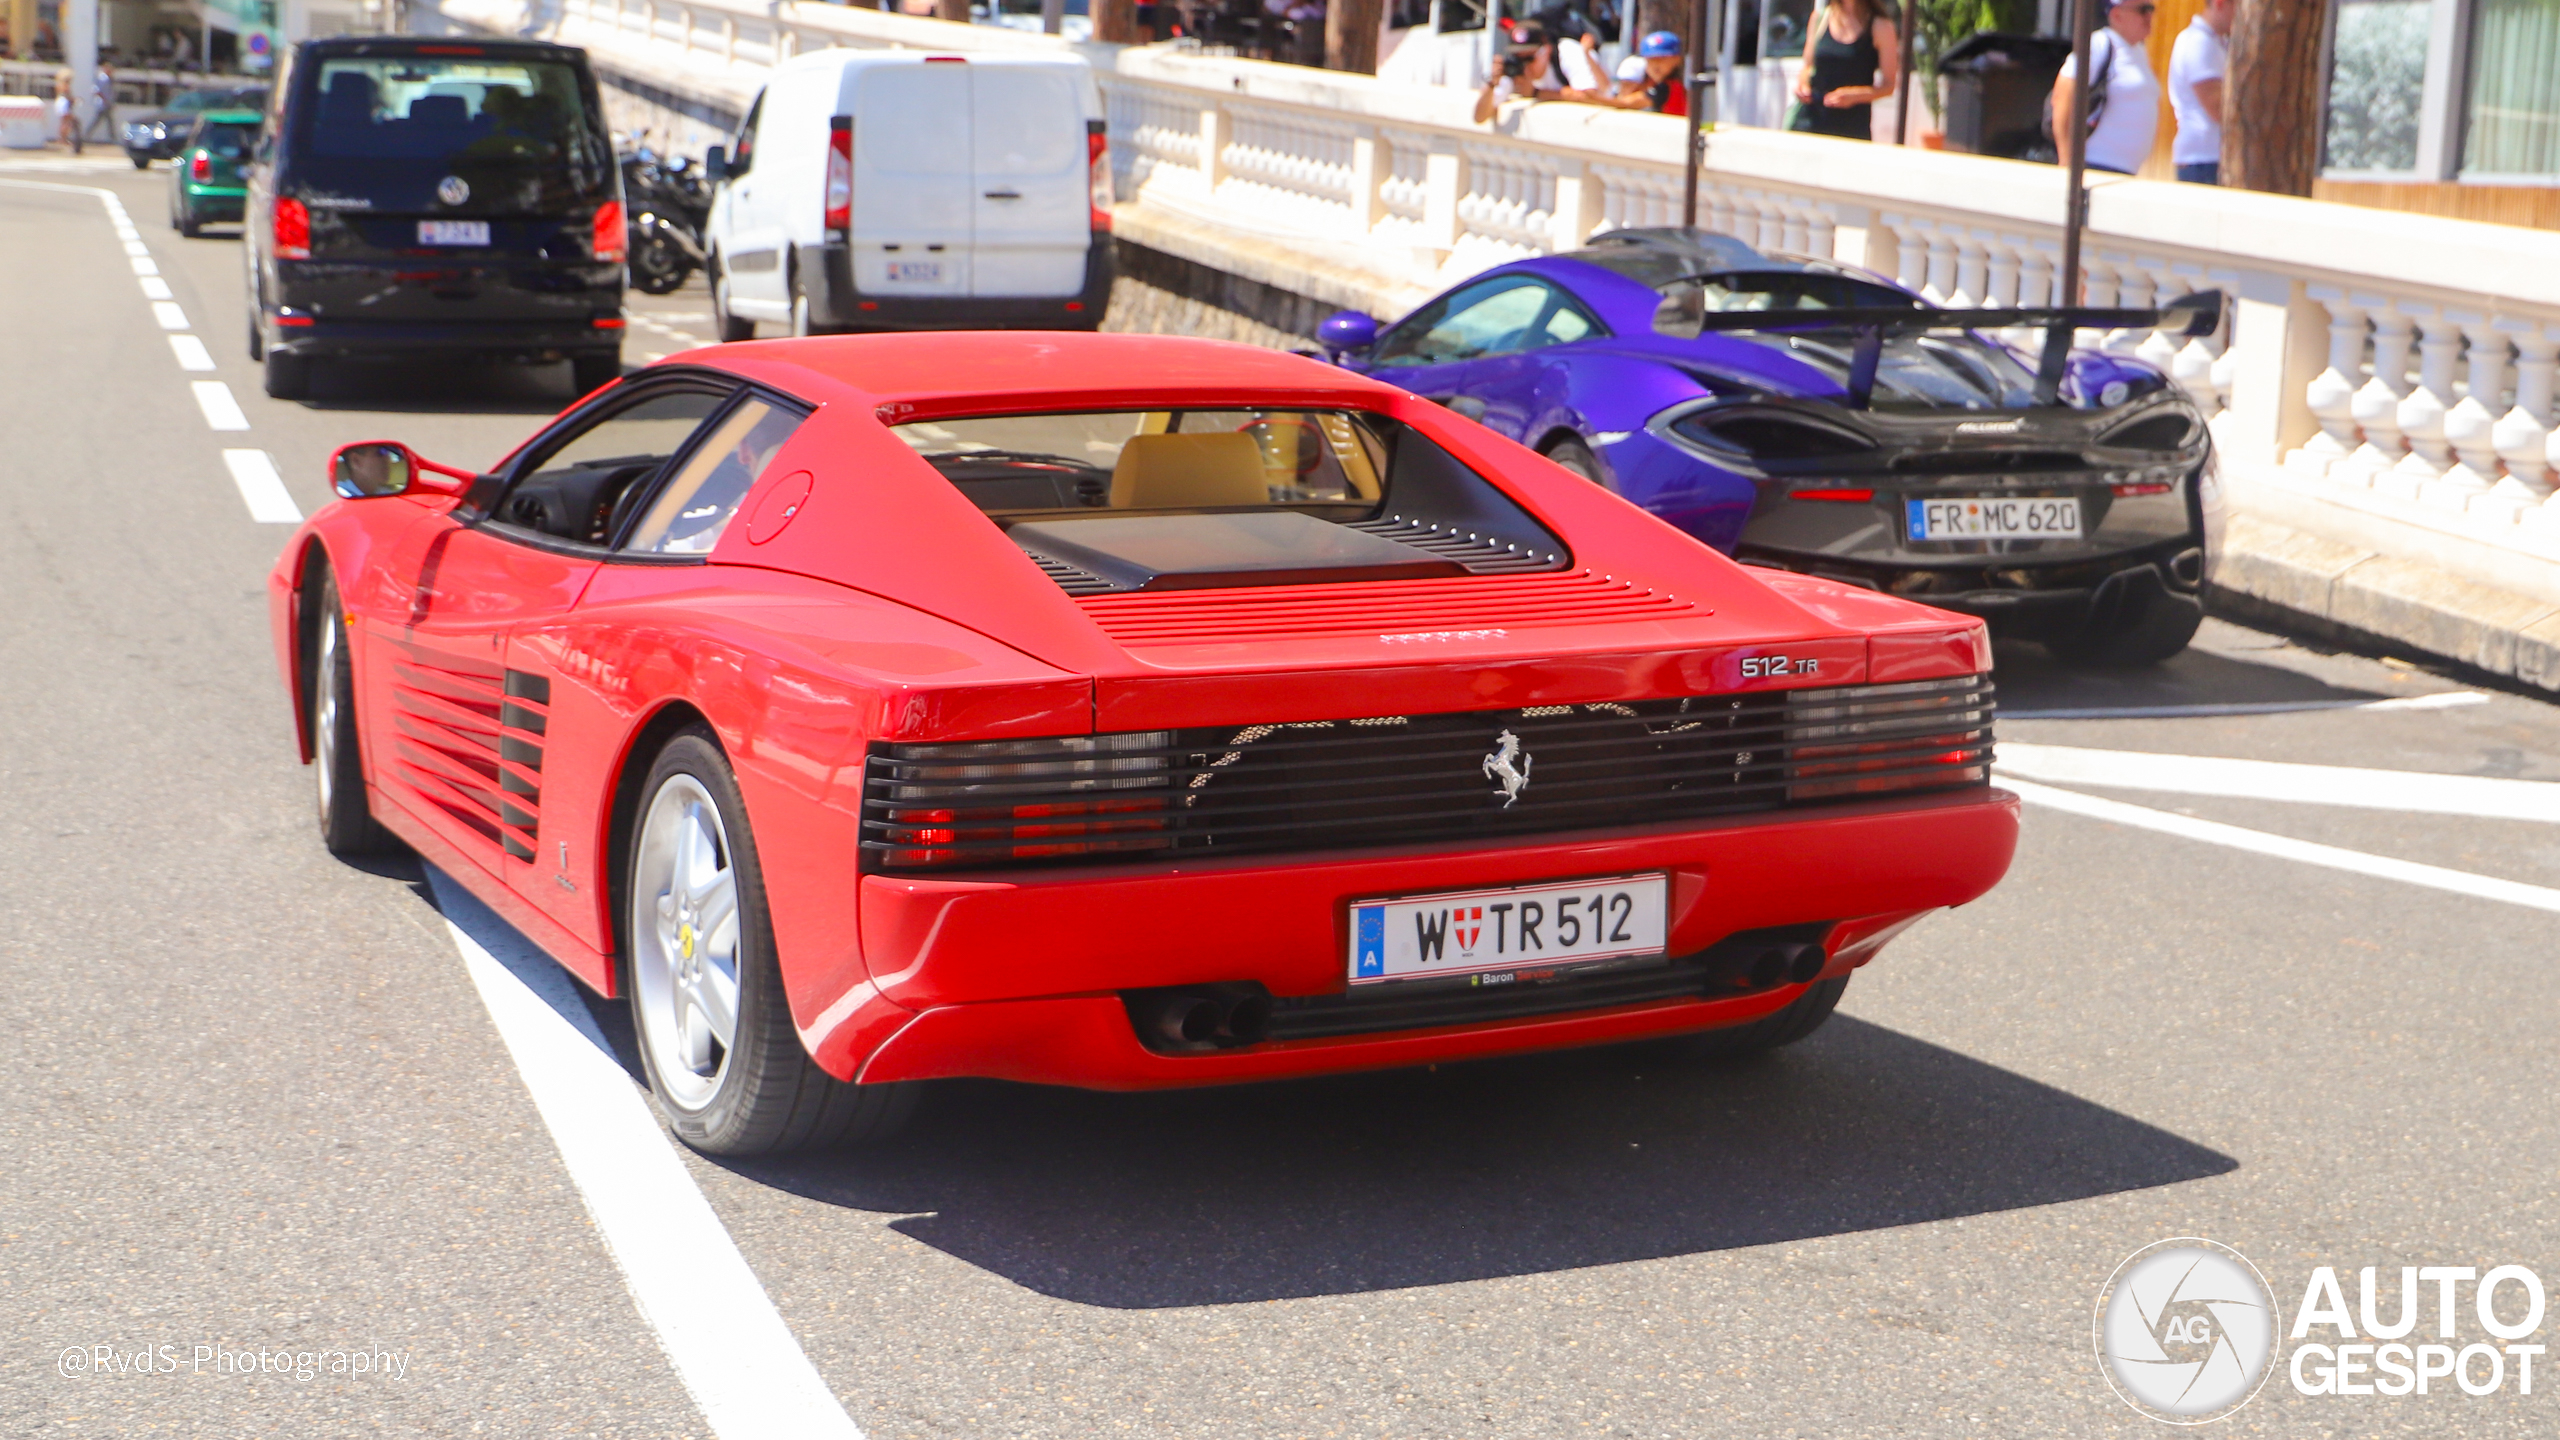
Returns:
<point x="2275" y="575"/>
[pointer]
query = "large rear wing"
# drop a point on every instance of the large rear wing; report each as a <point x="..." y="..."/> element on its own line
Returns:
<point x="2189" y="315"/>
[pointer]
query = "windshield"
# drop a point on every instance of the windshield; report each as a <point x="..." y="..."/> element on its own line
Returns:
<point x="1951" y="370"/>
<point x="455" y="111"/>
<point x="1154" y="459"/>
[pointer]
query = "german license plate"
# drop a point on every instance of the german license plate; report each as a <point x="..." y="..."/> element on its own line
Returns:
<point x="916" y="270"/>
<point x="1468" y="932"/>
<point x="453" y="232"/>
<point x="2038" y="518"/>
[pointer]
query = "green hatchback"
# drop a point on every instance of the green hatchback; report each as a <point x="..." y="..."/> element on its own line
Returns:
<point x="205" y="184"/>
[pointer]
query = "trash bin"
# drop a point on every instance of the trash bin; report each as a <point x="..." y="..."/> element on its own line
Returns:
<point x="1996" y="88"/>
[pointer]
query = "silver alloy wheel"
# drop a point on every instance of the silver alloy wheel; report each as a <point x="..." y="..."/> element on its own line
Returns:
<point x="684" y="941"/>
<point x="324" y="712"/>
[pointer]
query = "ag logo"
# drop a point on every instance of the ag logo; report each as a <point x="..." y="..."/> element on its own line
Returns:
<point x="2186" y="1331"/>
<point x="453" y="190"/>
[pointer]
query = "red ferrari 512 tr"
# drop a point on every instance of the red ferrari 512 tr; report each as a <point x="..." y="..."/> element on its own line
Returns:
<point x="1114" y="711"/>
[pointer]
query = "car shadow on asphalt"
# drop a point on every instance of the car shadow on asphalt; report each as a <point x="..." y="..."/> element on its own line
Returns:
<point x="459" y="388"/>
<point x="1471" y="1172"/>
<point x="2032" y="682"/>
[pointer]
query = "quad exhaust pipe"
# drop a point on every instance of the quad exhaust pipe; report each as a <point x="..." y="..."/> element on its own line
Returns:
<point x="1764" y="965"/>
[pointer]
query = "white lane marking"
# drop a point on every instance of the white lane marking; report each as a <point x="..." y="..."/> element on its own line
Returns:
<point x="169" y="315"/>
<point x="2475" y="795"/>
<point x="191" y="352"/>
<point x="2409" y="872"/>
<point x="155" y="288"/>
<point x="742" y="1365"/>
<point x="254" y="471"/>
<point x="144" y="265"/>
<point x="135" y="247"/>
<point x="220" y="410"/>
<point x="2450" y="700"/>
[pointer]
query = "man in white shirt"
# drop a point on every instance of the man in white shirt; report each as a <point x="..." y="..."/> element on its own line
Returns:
<point x="2197" y="65"/>
<point x="1538" y="68"/>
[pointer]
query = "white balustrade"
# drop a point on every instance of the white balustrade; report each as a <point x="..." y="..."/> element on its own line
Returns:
<point x="2470" y="421"/>
<point x="2376" y="404"/>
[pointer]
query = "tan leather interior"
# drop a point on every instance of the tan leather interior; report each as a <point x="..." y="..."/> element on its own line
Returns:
<point x="1173" y="471"/>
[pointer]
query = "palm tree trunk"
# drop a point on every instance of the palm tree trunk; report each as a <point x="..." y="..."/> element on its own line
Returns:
<point x="2271" y="116"/>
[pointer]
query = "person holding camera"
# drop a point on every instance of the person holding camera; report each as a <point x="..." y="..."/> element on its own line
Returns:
<point x="1650" y="79"/>
<point x="1536" y="67"/>
<point x="1852" y="59"/>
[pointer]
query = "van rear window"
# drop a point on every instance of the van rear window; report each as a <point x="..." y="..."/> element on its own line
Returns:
<point x="454" y="110"/>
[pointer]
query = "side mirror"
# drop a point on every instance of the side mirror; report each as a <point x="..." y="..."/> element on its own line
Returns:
<point x="1345" y="332"/>
<point x="371" y="469"/>
<point x="715" y="164"/>
<point x="2197" y="314"/>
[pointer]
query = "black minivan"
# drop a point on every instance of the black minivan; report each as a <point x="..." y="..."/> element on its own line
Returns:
<point x="429" y="197"/>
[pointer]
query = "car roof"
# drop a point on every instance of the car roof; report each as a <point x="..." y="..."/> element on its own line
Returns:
<point x="430" y="45"/>
<point x="989" y="373"/>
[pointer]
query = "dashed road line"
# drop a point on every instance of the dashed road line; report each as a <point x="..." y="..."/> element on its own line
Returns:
<point x="2482" y="797"/>
<point x="2285" y="847"/>
<point x="145" y="265"/>
<point x="155" y="288"/>
<point x="191" y="352"/>
<point x="221" y="411"/>
<point x="169" y="315"/>
<point x="254" y="471"/>
<point x="2451" y="700"/>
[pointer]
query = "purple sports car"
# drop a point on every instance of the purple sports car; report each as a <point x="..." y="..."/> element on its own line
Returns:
<point x="1815" y="417"/>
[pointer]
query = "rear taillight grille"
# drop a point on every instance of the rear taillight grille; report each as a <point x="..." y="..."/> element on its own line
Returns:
<point x="609" y="237"/>
<point x="1400" y="779"/>
<point x="292" y="229"/>
<point x="839" y="199"/>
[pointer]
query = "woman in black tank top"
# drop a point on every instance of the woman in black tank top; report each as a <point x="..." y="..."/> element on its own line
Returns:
<point x="1843" y="78"/>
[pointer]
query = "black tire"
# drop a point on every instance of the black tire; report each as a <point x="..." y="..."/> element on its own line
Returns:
<point x="288" y="375"/>
<point x="347" y="826"/>
<point x="2158" y="630"/>
<point x="658" y="268"/>
<point x="188" y="225"/>
<point x="728" y="327"/>
<point x="593" y="372"/>
<point x="1785" y="1027"/>
<point x="143" y="162"/>
<point x="257" y="338"/>
<point x="764" y="1094"/>
<point x="804" y="320"/>
<point x="1575" y="456"/>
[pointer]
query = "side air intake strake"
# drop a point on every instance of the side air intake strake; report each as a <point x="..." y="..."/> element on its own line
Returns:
<point x="1400" y="779"/>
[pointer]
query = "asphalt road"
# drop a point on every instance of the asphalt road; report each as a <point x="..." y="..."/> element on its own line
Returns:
<point x="262" y="1107"/>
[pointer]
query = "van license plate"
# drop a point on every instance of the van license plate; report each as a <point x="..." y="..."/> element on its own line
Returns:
<point x="1515" y="928"/>
<point x="926" y="271"/>
<point x="2038" y="518"/>
<point x="453" y="232"/>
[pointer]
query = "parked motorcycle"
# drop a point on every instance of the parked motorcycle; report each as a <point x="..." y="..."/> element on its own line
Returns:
<point x="665" y="205"/>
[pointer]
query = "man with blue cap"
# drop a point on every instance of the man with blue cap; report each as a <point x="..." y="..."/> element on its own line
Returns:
<point x="1650" y="79"/>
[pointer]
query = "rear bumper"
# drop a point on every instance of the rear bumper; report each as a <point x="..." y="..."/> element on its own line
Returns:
<point x="505" y="338"/>
<point x="836" y="301"/>
<point x="1021" y="977"/>
<point x="2018" y="598"/>
<point x="213" y="204"/>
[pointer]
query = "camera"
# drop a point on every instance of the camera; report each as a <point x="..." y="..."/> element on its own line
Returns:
<point x="1515" y="63"/>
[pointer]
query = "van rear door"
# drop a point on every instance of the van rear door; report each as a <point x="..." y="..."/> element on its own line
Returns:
<point x="1032" y="197"/>
<point x="912" y="187"/>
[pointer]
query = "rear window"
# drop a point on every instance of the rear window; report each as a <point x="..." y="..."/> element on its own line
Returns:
<point x="229" y="141"/>
<point x="457" y="111"/>
<point x="1156" y="460"/>
<point x="1687" y="301"/>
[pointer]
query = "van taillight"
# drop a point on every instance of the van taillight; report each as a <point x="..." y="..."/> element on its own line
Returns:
<point x="610" y="240"/>
<point x="1097" y="153"/>
<point x="201" y="167"/>
<point x="840" y="173"/>
<point x="293" y="229"/>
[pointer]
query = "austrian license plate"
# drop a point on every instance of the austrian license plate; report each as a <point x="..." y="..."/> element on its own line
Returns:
<point x="929" y="271"/>
<point x="453" y="232"/>
<point x="1519" y="927"/>
<point x="2039" y="518"/>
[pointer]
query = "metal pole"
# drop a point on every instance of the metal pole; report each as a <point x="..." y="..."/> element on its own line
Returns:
<point x="2075" y="210"/>
<point x="80" y="50"/>
<point x="2075" y="204"/>
<point x="1910" y="83"/>
<point x="1692" y="61"/>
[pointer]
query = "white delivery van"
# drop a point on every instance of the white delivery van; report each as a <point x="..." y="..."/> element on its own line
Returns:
<point x="904" y="191"/>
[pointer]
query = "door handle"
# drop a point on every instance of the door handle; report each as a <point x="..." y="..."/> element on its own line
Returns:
<point x="1004" y="194"/>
